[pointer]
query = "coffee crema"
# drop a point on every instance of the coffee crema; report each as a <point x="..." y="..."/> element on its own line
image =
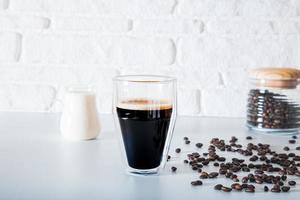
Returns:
<point x="144" y="125"/>
<point x="145" y="104"/>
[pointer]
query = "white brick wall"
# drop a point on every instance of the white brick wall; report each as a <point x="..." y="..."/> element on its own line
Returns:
<point x="207" y="44"/>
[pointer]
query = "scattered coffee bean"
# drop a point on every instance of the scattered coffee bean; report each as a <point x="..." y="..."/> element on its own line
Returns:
<point x="285" y="188"/>
<point x="216" y="164"/>
<point x="198" y="145"/>
<point x="286" y="148"/>
<point x="296" y="158"/>
<point x="291" y="155"/>
<point x="283" y="177"/>
<point x="174" y="169"/>
<point x="221" y="159"/>
<point x="177" y="150"/>
<point x="205" y="154"/>
<point x="235" y="180"/>
<point x="250" y="190"/>
<point x="204" y="175"/>
<point x="292" y="183"/>
<point x="168" y="158"/>
<point x="266" y="189"/>
<point x="275" y="189"/>
<point x="236" y="186"/>
<point x="213" y="174"/>
<point x="218" y="187"/>
<point x="258" y="171"/>
<point x="187" y="142"/>
<point x="245" y="180"/>
<point x="251" y="186"/>
<point x="185" y="138"/>
<point x="298" y="148"/>
<point x="226" y="189"/>
<point x="292" y="141"/>
<point x="248" y="138"/>
<point x="196" y="183"/>
<point x="279" y="164"/>
<point x="253" y="158"/>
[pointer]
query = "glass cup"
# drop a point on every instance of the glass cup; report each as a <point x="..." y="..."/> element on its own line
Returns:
<point x="144" y="108"/>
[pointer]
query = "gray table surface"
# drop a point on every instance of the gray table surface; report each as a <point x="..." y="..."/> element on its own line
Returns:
<point x="36" y="163"/>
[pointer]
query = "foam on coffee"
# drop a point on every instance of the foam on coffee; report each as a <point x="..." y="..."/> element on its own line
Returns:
<point x="145" y="104"/>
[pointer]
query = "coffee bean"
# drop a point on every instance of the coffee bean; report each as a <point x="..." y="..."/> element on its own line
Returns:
<point x="199" y="170"/>
<point x="198" y="145"/>
<point x="204" y="175"/>
<point x="222" y="171"/>
<point x="199" y="165"/>
<point x="292" y="141"/>
<point x="294" y="136"/>
<point x="285" y="188"/>
<point x="196" y="183"/>
<point x="168" y="158"/>
<point x="226" y="189"/>
<point x="250" y="190"/>
<point x="251" y="166"/>
<point x="236" y="186"/>
<point x="251" y="186"/>
<point x="245" y="179"/>
<point x="213" y="174"/>
<point x="216" y="164"/>
<point x="187" y="142"/>
<point x="281" y="183"/>
<point x="245" y="169"/>
<point x="218" y="187"/>
<point x="186" y="161"/>
<point x="221" y="159"/>
<point x="296" y="158"/>
<point x="185" y="138"/>
<point x="276" y="189"/>
<point x="286" y="148"/>
<point x="177" y="150"/>
<point x="205" y="162"/>
<point x="283" y="177"/>
<point x="292" y="183"/>
<point x="253" y="158"/>
<point x="298" y="148"/>
<point x="258" y="171"/>
<point x="248" y="138"/>
<point x="291" y="155"/>
<point x="266" y="189"/>
<point x="174" y="169"/>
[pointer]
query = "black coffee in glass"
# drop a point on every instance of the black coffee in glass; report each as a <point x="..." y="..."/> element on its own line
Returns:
<point x="144" y="129"/>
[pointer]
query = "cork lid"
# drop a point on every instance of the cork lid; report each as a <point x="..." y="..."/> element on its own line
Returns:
<point x="275" y="77"/>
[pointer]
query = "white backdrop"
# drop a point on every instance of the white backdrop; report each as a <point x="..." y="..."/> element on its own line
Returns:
<point x="207" y="44"/>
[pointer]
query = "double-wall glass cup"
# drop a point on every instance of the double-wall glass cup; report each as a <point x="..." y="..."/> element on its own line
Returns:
<point x="144" y="108"/>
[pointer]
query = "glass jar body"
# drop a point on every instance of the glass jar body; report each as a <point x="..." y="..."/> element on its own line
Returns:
<point x="273" y="109"/>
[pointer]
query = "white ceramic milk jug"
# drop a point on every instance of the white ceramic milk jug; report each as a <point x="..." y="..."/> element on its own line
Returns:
<point x="79" y="120"/>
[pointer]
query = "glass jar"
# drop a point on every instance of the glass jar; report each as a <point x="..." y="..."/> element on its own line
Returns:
<point x="274" y="100"/>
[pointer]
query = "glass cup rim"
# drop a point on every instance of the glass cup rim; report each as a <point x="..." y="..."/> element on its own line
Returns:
<point x="153" y="79"/>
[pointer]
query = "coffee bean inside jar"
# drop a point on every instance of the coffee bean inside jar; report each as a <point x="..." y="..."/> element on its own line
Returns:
<point x="274" y="100"/>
